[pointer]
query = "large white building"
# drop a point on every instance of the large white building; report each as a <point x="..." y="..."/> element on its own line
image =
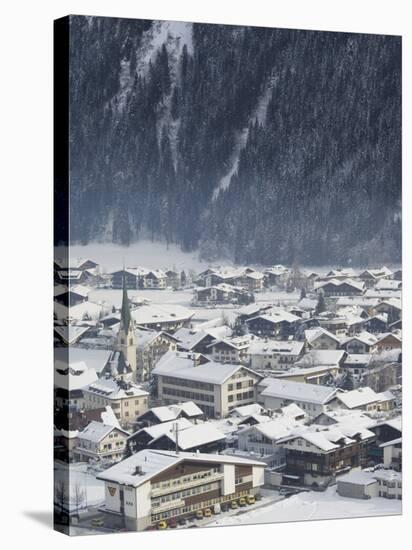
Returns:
<point x="155" y="485"/>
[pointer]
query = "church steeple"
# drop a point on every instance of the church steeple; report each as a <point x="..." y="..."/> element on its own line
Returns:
<point x="126" y="338"/>
<point x="125" y="318"/>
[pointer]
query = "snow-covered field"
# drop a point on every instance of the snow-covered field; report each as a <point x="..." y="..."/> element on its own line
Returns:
<point x="153" y="255"/>
<point x="315" y="506"/>
<point x="79" y="475"/>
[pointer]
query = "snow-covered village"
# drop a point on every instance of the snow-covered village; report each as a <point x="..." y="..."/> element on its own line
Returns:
<point x="224" y="395"/>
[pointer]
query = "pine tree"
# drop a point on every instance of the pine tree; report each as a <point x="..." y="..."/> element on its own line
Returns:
<point x="321" y="305"/>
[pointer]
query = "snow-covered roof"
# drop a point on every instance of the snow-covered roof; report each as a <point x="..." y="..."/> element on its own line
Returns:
<point x="194" y="435"/>
<point x="73" y="377"/>
<point x="113" y="389"/>
<point x="364" y="337"/>
<point x="358" y="398"/>
<point x="94" y="358"/>
<point x="70" y="334"/>
<point x="65" y="262"/>
<point x="388" y="284"/>
<point x="276" y="315"/>
<point x="299" y="391"/>
<point x="358" y="478"/>
<point x="166" y="413"/>
<point x="312" y="334"/>
<point x="189" y="338"/>
<point x="387" y="475"/>
<point x="96" y="431"/>
<point x="358" y="359"/>
<point x="395" y="423"/>
<point x="247" y="410"/>
<point x="278" y="347"/>
<point x="181" y="365"/>
<point x="79" y="311"/>
<point x="237" y="343"/>
<point x="359" y="285"/>
<point x="165" y="313"/>
<point x="142" y="466"/>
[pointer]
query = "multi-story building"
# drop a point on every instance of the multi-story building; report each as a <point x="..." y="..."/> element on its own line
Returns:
<point x="274" y="354"/>
<point x="216" y="388"/>
<point x="155" y="485"/>
<point x="99" y="441"/>
<point x="127" y="400"/>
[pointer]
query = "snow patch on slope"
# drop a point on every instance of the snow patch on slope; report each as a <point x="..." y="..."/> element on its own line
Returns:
<point x="259" y="115"/>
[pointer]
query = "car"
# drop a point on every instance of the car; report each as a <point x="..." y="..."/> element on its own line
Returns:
<point x="224" y="507"/>
<point x="234" y="505"/>
<point x="250" y="499"/>
<point x="182" y="521"/>
<point x="97" y="522"/>
<point x="242" y="501"/>
<point x="199" y="514"/>
<point x="208" y="513"/>
<point x="162" y="525"/>
<point x="173" y="524"/>
<point x="258" y="496"/>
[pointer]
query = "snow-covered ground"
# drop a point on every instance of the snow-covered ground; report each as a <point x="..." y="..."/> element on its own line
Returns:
<point x="314" y="506"/>
<point x="153" y="255"/>
<point x="79" y="476"/>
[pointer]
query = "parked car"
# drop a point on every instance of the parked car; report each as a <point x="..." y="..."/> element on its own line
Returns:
<point x="242" y="501"/>
<point x="234" y="505"/>
<point x="97" y="522"/>
<point x="208" y="513"/>
<point x="224" y="507"/>
<point x="182" y="521"/>
<point x="162" y="525"/>
<point x="250" y="499"/>
<point x="199" y="514"/>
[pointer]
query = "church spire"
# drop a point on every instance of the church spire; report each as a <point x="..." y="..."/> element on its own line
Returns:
<point x="125" y="319"/>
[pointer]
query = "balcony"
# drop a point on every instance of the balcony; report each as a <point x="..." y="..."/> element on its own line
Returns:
<point x="186" y="485"/>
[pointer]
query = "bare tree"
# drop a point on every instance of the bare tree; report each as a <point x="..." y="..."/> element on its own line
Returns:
<point x="60" y="494"/>
<point x="78" y="497"/>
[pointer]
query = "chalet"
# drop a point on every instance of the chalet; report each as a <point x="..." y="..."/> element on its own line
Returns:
<point x="275" y="354"/>
<point x="72" y="270"/>
<point x="276" y="276"/>
<point x="274" y="322"/>
<point x="167" y="413"/>
<point x="364" y="399"/>
<point x="392" y="307"/>
<point x="184" y="436"/>
<point x="336" y="287"/>
<point x="222" y="293"/>
<point x="70" y="296"/>
<point x="261" y="439"/>
<point x="386" y="431"/>
<point x="322" y="358"/>
<point x="156" y="279"/>
<point x="372" y="276"/>
<point x="387" y="341"/>
<point x="251" y="310"/>
<point x="320" y="375"/>
<point x="357" y="365"/>
<point x="315" y="456"/>
<point x="392" y="454"/>
<point x="376" y="323"/>
<point x="70" y="379"/>
<point x="363" y="342"/>
<point x="169" y="486"/>
<point x="132" y="278"/>
<point x="320" y="338"/>
<point x="231" y="350"/>
<point x="197" y="340"/>
<point x="173" y="278"/>
<point x="252" y="280"/>
<point x="100" y="442"/>
<point x="388" y="284"/>
<point x="341" y="274"/>
<point x="216" y="388"/>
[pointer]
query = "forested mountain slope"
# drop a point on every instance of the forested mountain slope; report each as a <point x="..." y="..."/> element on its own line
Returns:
<point x="259" y="145"/>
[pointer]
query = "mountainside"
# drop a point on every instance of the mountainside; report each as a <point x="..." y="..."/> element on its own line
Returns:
<point x="259" y="145"/>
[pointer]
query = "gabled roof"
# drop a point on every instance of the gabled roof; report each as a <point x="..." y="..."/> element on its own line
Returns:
<point x="358" y="398"/>
<point x="286" y="347"/>
<point x="311" y="335"/>
<point x="96" y="431"/>
<point x="364" y="337"/>
<point x="276" y="315"/>
<point x="358" y="285"/>
<point x="321" y="358"/>
<point x="195" y="435"/>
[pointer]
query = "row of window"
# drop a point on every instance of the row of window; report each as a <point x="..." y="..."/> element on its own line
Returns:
<point x="241" y="396"/>
<point x="188" y="383"/>
<point x="188" y="395"/>
<point x="240" y="385"/>
<point x="186" y="478"/>
<point x="185" y="493"/>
